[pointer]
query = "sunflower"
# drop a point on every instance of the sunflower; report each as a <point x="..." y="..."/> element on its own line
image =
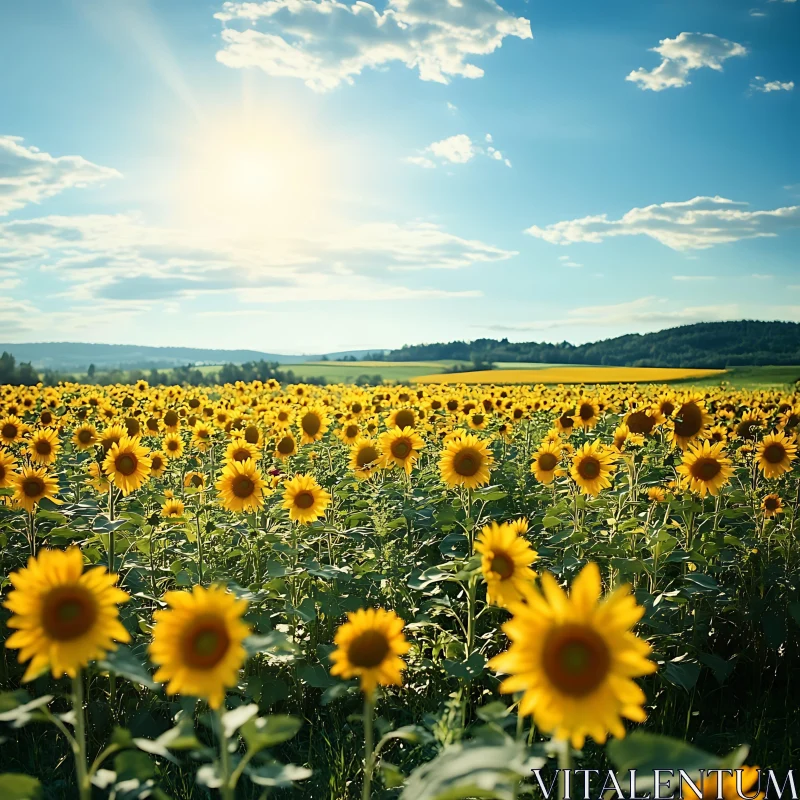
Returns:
<point x="241" y="486"/>
<point x="505" y="564"/>
<point x="656" y="494"/>
<point x="63" y="617"/>
<point x="313" y="424"/>
<point x="194" y="481"/>
<point x="282" y="418"/>
<point x="689" y="422"/>
<point x="706" y="468"/>
<point x="240" y="450"/>
<point x="587" y="414"/>
<point x="7" y="464"/>
<point x="97" y="480"/>
<point x="111" y="436"/>
<point x="84" y="436"/>
<point x="775" y="454"/>
<point x="400" y="448"/>
<point x="772" y="505"/>
<point x="545" y="462"/>
<point x="201" y="436"/>
<point x="12" y="429"/>
<point x="128" y="465"/>
<point x="158" y="463"/>
<point x="364" y="458"/>
<point x="718" y="433"/>
<point x="172" y="508"/>
<point x="285" y="446"/>
<point x="349" y="432"/>
<point x="253" y="435"/>
<point x="477" y="420"/>
<point x="574" y="656"/>
<point x="32" y="485"/>
<point x="197" y="643"/>
<point x="43" y="446"/>
<point x="368" y="647"/>
<point x="402" y="418"/>
<point x="305" y="499"/>
<point x="750" y="425"/>
<point x="173" y="446"/>
<point x="592" y="467"/>
<point x="171" y="420"/>
<point x="465" y="462"/>
<point x="644" y="421"/>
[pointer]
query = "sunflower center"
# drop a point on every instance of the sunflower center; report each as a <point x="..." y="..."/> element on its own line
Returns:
<point x="452" y="405"/>
<point x="667" y="407"/>
<point x="126" y="464"/>
<point x="566" y="421"/>
<point x="33" y="487"/>
<point x="304" y="500"/>
<point x="503" y="565"/>
<point x="9" y="431"/>
<point x="401" y="449"/>
<point x="68" y="612"/>
<point x="366" y="456"/>
<point x="774" y="453"/>
<point x="705" y="469"/>
<point x="467" y="462"/>
<point x="404" y="419"/>
<point x="202" y="433"/>
<point x="172" y="444"/>
<point x="196" y="481"/>
<point x="368" y="649"/>
<point x="589" y="468"/>
<point x="156" y="463"/>
<point x="748" y="429"/>
<point x="576" y="659"/>
<point x="477" y="419"/>
<point x="242" y="454"/>
<point x="771" y="503"/>
<point x="46" y="417"/>
<point x="171" y="419"/>
<point x="85" y="436"/>
<point x="547" y="462"/>
<point x="285" y="446"/>
<point x="586" y="411"/>
<point x="243" y="487"/>
<point x="206" y="643"/>
<point x="311" y="424"/>
<point x="640" y="422"/>
<point x="690" y="420"/>
<point x="350" y="431"/>
<point x="43" y="447"/>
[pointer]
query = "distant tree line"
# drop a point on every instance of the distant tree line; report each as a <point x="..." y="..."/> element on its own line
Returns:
<point x="703" y="345"/>
<point x="16" y="374"/>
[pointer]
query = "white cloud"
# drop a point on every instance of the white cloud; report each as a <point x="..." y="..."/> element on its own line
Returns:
<point x="27" y="175"/>
<point x="489" y="138"/>
<point x="693" y="278"/>
<point x="761" y="84"/>
<point x="451" y="107"/>
<point x="762" y="276"/>
<point x="458" y="149"/>
<point x="327" y="42"/>
<point x="683" y="54"/>
<point x="121" y="259"/>
<point x="754" y="12"/>
<point x="695" y="224"/>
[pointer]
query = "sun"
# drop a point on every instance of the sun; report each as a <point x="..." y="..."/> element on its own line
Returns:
<point x="251" y="177"/>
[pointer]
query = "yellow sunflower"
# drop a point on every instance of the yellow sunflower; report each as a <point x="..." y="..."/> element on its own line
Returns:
<point x="364" y="458"/>
<point x="706" y="468"/>
<point x="7" y="465"/>
<point x="32" y="485"/>
<point x="12" y="429"/>
<point x="241" y="486"/>
<point x="127" y="465"/>
<point x="197" y="643"/>
<point x="656" y="494"/>
<point x="158" y="463"/>
<point x="505" y="564"/>
<point x="545" y="462"/>
<point x="84" y="436"/>
<point x="63" y="617"/>
<point x="369" y="647"/>
<point x="172" y="446"/>
<point x="772" y="505"/>
<point x="305" y="499"/>
<point x="201" y="436"/>
<point x="587" y="414"/>
<point x="194" y="481"/>
<point x="43" y="446"/>
<point x="349" y="432"/>
<point x="465" y="462"/>
<point x="574" y="657"/>
<point x="775" y="454"/>
<point x="111" y="435"/>
<point x="285" y="446"/>
<point x="690" y="421"/>
<point x="592" y="467"/>
<point x="402" y="418"/>
<point x="240" y="450"/>
<point x="97" y="480"/>
<point x="172" y="508"/>
<point x="400" y="448"/>
<point x="313" y="424"/>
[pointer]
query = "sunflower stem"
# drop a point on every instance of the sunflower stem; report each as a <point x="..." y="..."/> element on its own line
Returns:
<point x="79" y="748"/>
<point x="227" y="787"/>
<point x="369" y="752"/>
<point x="564" y="766"/>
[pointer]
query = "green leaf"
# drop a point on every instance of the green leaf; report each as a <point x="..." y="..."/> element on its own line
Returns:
<point x="719" y="666"/>
<point x="269" y="731"/>
<point x="14" y="786"/>
<point x="21" y="714"/>
<point x="233" y="720"/>
<point x="316" y="675"/>
<point x="474" y="770"/>
<point x="421" y="579"/>
<point x="683" y="674"/>
<point x="277" y="775"/>
<point x="413" y="734"/>
<point x="275" y="644"/>
<point x="123" y="662"/>
<point x="466" y="670"/>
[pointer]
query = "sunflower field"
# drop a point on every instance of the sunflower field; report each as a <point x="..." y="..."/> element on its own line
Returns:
<point x="266" y="591"/>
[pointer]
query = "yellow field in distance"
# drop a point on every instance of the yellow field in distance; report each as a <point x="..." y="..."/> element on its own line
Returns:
<point x="571" y="375"/>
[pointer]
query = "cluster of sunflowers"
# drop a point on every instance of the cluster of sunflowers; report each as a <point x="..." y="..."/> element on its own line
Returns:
<point x="281" y="455"/>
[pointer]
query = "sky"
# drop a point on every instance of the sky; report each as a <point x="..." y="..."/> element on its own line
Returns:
<point x="305" y="176"/>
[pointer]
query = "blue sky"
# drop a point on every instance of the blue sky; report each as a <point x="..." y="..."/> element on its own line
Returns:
<point x="314" y="175"/>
